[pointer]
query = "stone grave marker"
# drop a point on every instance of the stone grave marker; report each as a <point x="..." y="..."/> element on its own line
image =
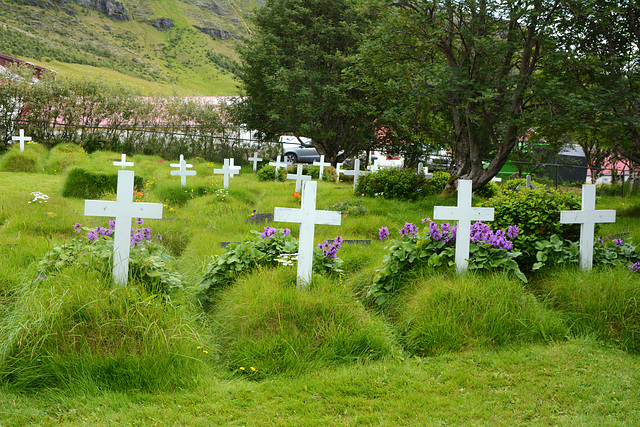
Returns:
<point x="123" y="162"/>
<point x="464" y="214"/>
<point x="307" y="216"/>
<point x="279" y="163"/>
<point x="255" y="159"/>
<point x="123" y="209"/>
<point x="356" y="172"/>
<point x="322" y="164"/>
<point x="298" y="177"/>
<point x="21" y="138"/>
<point x="420" y="167"/>
<point x="182" y="172"/>
<point x="527" y="185"/>
<point x="259" y="217"/>
<point x="227" y="171"/>
<point x="587" y="217"/>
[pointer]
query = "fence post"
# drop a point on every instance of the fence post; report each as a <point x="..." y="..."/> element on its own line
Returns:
<point x="623" y="183"/>
<point x="557" y="174"/>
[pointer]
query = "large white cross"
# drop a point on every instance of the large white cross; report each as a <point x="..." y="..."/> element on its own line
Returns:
<point x="279" y="163"/>
<point x="123" y="209"/>
<point x="464" y="213"/>
<point x="182" y="172"/>
<point x="21" y="138"/>
<point x="298" y="177"/>
<point x="307" y="217"/>
<point x="322" y="164"/>
<point x="123" y="162"/>
<point x="587" y="217"/>
<point x="235" y="168"/>
<point x="227" y="170"/>
<point x="255" y="159"/>
<point x="356" y="172"/>
<point x="338" y="171"/>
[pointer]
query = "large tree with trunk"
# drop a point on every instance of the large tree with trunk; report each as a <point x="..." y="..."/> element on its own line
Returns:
<point x="462" y="74"/>
<point x="294" y="75"/>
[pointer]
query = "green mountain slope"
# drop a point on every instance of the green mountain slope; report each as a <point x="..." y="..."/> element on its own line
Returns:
<point x="194" y="57"/>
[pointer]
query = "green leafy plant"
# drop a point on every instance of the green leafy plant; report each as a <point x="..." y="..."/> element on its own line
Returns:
<point x="490" y="189"/>
<point x="349" y="208"/>
<point x="394" y="183"/>
<point x="268" y="173"/>
<point x="513" y="184"/>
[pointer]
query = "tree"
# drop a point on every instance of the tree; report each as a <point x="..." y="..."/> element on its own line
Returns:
<point x="461" y="73"/>
<point x="293" y="75"/>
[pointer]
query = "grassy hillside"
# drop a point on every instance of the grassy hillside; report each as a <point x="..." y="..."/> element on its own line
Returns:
<point x="182" y="60"/>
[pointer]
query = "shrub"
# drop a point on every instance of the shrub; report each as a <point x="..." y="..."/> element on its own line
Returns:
<point x="268" y="173"/>
<point x="490" y="189"/>
<point x="269" y="327"/>
<point x="328" y="173"/>
<point x="512" y="184"/>
<point x="92" y="185"/>
<point x="537" y="213"/>
<point x="438" y="182"/>
<point x="394" y="183"/>
<point x="444" y="314"/>
<point x="349" y="208"/>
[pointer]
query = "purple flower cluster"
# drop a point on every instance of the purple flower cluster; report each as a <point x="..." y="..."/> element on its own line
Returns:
<point x="481" y="233"/>
<point x="635" y="268"/>
<point x="445" y="233"/>
<point x="270" y="231"/>
<point x="98" y="232"/>
<point x="138" y="235"/>
<point x="618" y="242"/>
<point x="383" y="233"/>
<point x="329" y="248"/>
<point x="409" y="229"/>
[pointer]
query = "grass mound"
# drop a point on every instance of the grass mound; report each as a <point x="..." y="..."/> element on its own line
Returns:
<point x="83" y="184"/>
<point x="28" y="160"/>
<point x="446" y="314"/>
<point x="71" y="331"/>
<point x="63" y="156"/>
<point x="264" y="322"/>
<point x="603" y="304"/>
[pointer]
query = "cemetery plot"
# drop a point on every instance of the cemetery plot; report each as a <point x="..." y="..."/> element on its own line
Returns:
<point x="182" y="171"/>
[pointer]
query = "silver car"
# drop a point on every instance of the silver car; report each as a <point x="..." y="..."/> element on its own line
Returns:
<point x="299" y="150"/>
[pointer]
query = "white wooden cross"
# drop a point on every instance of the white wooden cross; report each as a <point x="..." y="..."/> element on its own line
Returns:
<point x="338" y="171"/>
<point x="123" y="162"/>
<point x="307" y="217"/>
<point x="427" y="175"/>
<point x="464" y="213"/>
<point x="322" y="164"/>
<point x="496" y="179"/>
<point x="587" y="217"/>
<point x="356" y="172"/>
<point x="182" y="171"/>
<point x="21" y="138"/>
<point x="374" y="167"/>
<point x="279" y="163"/>
<point x="227" y="170"/>
<point x="123" y="209"/>
<point x="255" y="159"/>
<point x="298" y="177"/>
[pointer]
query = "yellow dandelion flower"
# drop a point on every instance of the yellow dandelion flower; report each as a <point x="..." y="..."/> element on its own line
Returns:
<point x="205" y="351"/>
<point x="253" y="369"/>
<point x="199" y="347"/>
<point x="242" y="368"/>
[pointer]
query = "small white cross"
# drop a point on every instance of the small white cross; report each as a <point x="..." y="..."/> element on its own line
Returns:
<point x="464" y="213"/>
<point x="587" y="217"/>
<point x="307" y="217"/>
<point x="233" y="167"/>
<point x="123" y="162"/>
<point x="373" y="167"/>
<point x="22" y="139"/>
<point x="427" y="175"/>
<point x="356" y="172"/>
<point x="338" y="171"/>
<point x="255" y="159"/>
<point x="182" y="171"/>
<point x="279" y="163"/>
<point x="298" y="177"/>
<point x="227" y="171"/>
<point x="123" y="209"/>
<point x="322" y="164"/>
<point x="496" y="179"/>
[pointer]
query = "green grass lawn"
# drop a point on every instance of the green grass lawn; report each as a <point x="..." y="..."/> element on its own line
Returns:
<point x="481" y="349"/>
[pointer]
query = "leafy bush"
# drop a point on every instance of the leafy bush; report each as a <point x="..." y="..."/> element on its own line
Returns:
<point x="266" y="249"/>
<point x="443" y="314"/>
<point x="395" y="183"/>
<point x="435" y="248"/>
<point x="490" y="189"/>
<point x="92" y="185"/>
<point x="537" y="213"/>
<point x="268" y="173"/>
<point x="328" y="173"/>
<point x="438" y="182"/>
<point x="349" y="208"/>
<point x="268" y="327"/>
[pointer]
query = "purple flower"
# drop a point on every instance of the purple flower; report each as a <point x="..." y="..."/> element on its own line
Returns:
<point x="159" y="237"/>
<point x="408" y="229"/>
<point x="139" y="221"/>
<point x="618" y="242"/>
<point x="383" y="233"/>
<point x="512" y="231"/>
<point x="112" y="223"/>
<point x="434" y="231"/>
<point x="426" y="220"/>
<point x="268" y="232"/>
<point x="77" y="227"/>
<point x="330" y="249"/>
<point x="635" y="268"/>
<point x="92" y="235"/>
<point x="286" y="231"/>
